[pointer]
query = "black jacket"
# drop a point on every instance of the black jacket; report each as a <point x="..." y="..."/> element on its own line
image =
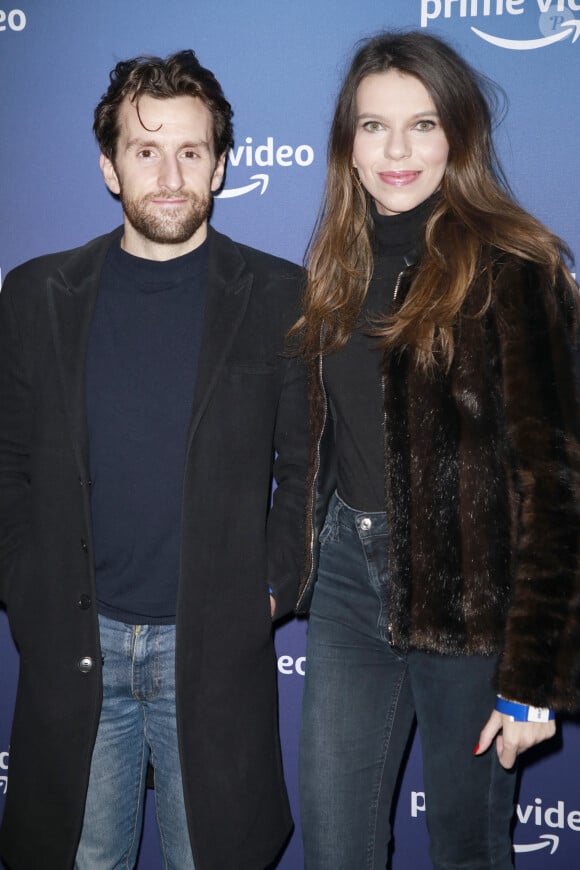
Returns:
<point x="247" y="425"/>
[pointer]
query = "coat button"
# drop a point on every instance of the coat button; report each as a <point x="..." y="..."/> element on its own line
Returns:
<point x="84" y="546"/>
<point x="85" y="665"/>
<point x="84" y="601"/>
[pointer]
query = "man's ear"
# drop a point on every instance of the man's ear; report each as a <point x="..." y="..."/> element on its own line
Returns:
<point x="218" y="173"/>
<point x="109" y="174"/>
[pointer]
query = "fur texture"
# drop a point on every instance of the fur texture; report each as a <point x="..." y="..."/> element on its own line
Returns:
<point x="482" y="474"/>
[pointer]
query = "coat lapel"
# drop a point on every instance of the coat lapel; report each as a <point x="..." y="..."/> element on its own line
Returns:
<point x="72" y="292"/>
<point x="228" y="293"/>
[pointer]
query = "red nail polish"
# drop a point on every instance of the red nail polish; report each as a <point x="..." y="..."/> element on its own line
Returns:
<point x="476" y="750"/>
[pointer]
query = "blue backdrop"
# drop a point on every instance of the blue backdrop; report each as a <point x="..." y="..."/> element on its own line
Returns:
<point x="280" y="63"/>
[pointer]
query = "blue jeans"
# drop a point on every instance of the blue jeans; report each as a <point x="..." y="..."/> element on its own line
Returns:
<point x="360" y="699"/>
<point x="137" y="724"/>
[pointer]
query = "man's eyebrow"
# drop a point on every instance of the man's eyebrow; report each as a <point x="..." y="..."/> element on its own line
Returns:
<point x="138" y="142"/>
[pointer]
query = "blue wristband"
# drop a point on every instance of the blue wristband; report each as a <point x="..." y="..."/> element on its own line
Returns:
<point x="522" y="712"/>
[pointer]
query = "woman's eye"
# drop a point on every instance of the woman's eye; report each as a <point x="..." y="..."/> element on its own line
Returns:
<point x="425" y="125"/>
<point x="372" y="126"/>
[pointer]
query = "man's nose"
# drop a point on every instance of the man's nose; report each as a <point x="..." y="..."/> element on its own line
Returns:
<point x="171" y="176"/>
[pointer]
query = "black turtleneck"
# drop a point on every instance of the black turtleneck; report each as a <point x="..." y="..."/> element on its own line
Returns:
<point x="352" y="376"/>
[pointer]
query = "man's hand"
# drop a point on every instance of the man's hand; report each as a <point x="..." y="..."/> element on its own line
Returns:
<point x="515" y="737"/>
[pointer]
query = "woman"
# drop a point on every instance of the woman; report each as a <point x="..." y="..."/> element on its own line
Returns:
<point x="439" y="326"/>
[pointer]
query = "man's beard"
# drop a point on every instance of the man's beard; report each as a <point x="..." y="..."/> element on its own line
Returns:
<point x="171" y="226"/>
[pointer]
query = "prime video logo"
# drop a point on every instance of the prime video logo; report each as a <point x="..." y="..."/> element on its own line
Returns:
<point x="556" y="19"/>
<point x="264" y="156"/>
<point x="556" y="818"/>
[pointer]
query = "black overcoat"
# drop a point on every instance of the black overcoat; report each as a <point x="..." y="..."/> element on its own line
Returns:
<point x="248" y="424"/>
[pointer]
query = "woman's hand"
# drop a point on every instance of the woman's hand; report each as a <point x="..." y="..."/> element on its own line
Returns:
<point x="515" y="737"/>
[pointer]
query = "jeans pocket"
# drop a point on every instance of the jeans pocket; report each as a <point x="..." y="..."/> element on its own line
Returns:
<point x="376" y="556"/>
<point x="329" y="530"/>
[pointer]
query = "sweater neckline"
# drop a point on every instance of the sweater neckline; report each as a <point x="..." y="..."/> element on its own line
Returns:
<point x="153" y="275"/>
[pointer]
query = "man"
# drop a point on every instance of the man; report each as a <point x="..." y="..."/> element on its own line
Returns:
<point x="146" y="402"/>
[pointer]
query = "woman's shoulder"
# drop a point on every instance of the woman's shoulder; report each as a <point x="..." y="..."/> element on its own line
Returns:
<point x="526" y="288"/>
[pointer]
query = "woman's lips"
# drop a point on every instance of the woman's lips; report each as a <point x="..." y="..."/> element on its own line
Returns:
<point x="398" y="179"/>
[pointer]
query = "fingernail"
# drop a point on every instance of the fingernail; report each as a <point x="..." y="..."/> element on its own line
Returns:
<point x="476" y="750"/>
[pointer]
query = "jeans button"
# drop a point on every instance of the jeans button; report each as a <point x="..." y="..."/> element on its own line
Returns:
<point x="85" y="665"/>
<point x="365" y="524"/>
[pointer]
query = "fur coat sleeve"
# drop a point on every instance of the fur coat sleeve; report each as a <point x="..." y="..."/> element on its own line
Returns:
<point x="537" y="333"/>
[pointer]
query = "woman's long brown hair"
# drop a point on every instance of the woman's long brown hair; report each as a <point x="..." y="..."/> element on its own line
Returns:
<point x="475" y="219"/>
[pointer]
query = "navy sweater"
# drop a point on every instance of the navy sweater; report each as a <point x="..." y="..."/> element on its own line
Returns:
<point x="140" y="376"/>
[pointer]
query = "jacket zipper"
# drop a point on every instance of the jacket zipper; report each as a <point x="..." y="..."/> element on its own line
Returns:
<point x="398" y="283"/>
<point x="390" y="635"/>
<point x="313" y="485"/>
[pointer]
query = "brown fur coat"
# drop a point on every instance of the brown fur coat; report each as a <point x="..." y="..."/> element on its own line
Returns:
<point x="482" y="478"/>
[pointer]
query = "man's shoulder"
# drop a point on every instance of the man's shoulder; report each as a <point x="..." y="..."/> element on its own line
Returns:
<point x="269" y="261"/>
<point x="42" y="266"/>
<point x="257" y="260"/>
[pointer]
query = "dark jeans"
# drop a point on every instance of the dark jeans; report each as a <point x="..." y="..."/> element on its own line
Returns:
<point x="360" y="700"/>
